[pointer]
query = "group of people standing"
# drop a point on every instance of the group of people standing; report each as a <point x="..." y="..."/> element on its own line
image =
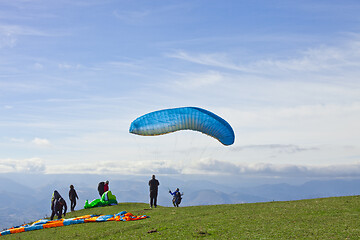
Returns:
<point x="58" y="203"/>
<point x="154" y="185"/>
<point x="59" y="207"/>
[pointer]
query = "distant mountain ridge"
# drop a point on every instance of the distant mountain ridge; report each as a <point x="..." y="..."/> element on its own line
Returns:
<point x="20" y="203"/>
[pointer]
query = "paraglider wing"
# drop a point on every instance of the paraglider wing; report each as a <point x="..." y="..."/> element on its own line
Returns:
<point x="185" y="118"/>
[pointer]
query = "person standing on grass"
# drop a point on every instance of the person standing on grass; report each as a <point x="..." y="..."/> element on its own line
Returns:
<point x="55" y="196"/>
<point x="154" y="184"/>
<point x="57" y="205"/>
<point x="57" y="208"/>
<point x="73" y="196"/>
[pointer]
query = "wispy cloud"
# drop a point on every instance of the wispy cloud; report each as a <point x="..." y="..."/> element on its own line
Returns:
<point x="31" y="165"/>
<point x="67" y="66"/>
<point x="17" y="140"/>
<point x="41" y="142"/>
<point x="315" y="59"/>
<point x="280" y="148"/>
<point x="38" y="66"/>
<point x="21" y="86"/>
<point x="148" y="14"/>
<point x="132" y="17"/>
<point x="118" y="167"/>
<point x="214" y="59"/>
<point x="8" y="30"/>
<point x="308" y="124"/>
<point x="198" y="80"/>
<point x="9" y="34"/>
<point x="212" y="166"/>
<point x="323" y="58"/>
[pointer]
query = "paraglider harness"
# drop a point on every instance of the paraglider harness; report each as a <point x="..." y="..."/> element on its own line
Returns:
<point x="176" y="197"/>
<point x="101" y="188"/>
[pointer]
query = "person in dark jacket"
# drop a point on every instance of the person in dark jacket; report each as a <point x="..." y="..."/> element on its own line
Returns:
<point x="57" y="205"/>
<point x="154" y="184"/>
<point x="101" y="188"/>
<point x="72" y="196"/>
<point x="55" y="196"/>
<point x="57" y="208"/>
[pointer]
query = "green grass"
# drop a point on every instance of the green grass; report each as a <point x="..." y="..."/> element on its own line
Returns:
<point x="326" y="218"/>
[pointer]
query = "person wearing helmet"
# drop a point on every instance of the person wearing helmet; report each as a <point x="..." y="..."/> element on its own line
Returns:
<point x="176" y="197"/>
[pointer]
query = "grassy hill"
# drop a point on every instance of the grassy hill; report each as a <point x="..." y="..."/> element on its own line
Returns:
<point x="325" y="218"/>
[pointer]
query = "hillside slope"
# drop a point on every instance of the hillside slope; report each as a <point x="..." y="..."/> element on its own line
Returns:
<point x="325" y="218"/>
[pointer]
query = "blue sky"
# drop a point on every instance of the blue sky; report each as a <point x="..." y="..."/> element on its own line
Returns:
<point x="284" y="74"/>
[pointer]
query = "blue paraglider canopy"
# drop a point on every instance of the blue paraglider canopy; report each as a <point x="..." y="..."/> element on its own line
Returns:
<point x="184" y="118"/>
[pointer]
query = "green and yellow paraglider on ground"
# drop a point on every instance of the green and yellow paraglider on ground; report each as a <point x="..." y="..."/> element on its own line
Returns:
<point x="106" y="199"/>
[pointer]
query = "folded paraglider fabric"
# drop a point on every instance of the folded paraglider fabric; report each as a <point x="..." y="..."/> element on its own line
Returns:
<point x="106" y="199"/>
<point x="44" y="223"/>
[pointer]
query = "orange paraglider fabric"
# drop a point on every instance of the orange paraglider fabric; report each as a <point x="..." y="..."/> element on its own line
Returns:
<point x="44" y="223"/>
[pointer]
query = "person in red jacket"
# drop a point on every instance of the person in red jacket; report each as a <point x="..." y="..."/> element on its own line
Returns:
<point x="103" y="187"/>
<point x="106" y="186"/>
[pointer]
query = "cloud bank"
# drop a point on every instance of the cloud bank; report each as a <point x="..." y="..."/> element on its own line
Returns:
<point x="31" y="165"/>
<point x="280" y="148"/>
<point x="213" y="167"/>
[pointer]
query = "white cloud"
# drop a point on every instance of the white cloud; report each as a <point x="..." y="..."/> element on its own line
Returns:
<point x="213" y="59"/>
<point x="305" y="124"/>
<point x="20" y="86"/>
<point x="321" y="59"/>
<point x="132" y="17"/>
<point x="32" y="165"/>
<point x="198" y="80"/>
<point x="7" y="41"/>
<point x="146" y="15"/>
<point x="13" y="30"/>
<point x="69" y="66"/>
<point x="38" y="66"/>
<point x="210" y="166"/>
<point x="41" y="142"/>
<point x="9" y="34"/>
<point x="118" y="167"/>
<point x="280" y="148"/>
<point x="17" y="140"/>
